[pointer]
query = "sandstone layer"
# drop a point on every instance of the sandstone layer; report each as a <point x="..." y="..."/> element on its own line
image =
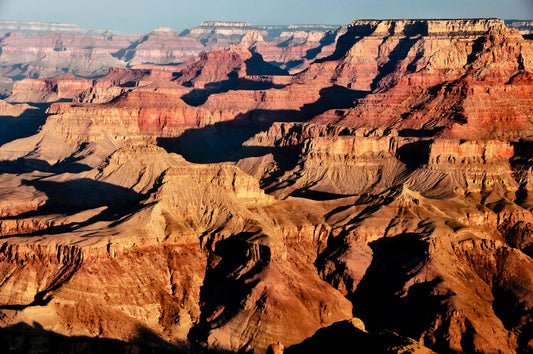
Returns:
<point x="377" y="199"/>
<point x="46" y="51"/>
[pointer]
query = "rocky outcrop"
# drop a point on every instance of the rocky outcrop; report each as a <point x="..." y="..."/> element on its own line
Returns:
<point x="226" y="66"/>
<point x="48" y="90"/>
<point x="447" y="202"/>
<point x="162" y="46"/>
<point x="433" y="248"/>
<point x="291" y="133"/>
<point x="298" y="48"/>
<point x="134" y="116"/>
<point x="192" y="214"/>
<point x="220" y="33"/>
<point x="330" y="162"/>
<point x="391" y="180"/>
<point x="50" y="50"/>
<point x="15" y="110"/>
<point x="432" y="75"/>
<point x="481" y="164"/>
<point x="47" y="55"/>
<point x="335" y="338"/>
<point x="100" y="94"/>
<point x="100" y="90"/>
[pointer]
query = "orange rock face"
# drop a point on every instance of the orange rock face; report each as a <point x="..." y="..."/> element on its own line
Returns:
<point x="225" y="204"/>
<point x="467" y="89"/>
<point x="48" y="90"/>
<point x="35" y="55"/>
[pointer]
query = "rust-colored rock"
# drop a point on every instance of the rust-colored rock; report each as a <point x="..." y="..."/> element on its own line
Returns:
<point x="48" y="90"/>
<point x="388" y="178"/>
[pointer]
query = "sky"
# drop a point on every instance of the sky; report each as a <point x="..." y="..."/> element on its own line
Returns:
<point x="142" y="16"/>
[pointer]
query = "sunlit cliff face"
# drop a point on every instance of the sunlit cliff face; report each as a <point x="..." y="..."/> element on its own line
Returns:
<point x="362" y="189"/>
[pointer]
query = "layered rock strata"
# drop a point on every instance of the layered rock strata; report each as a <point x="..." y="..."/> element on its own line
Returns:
<point x="383" y="193"/>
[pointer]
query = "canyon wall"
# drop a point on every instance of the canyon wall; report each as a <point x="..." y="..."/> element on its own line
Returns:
<point x="362" y="189"/>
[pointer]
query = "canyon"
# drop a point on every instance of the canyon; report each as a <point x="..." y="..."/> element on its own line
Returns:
<point x="268" y="189"/>
<point x="33" y="50"/>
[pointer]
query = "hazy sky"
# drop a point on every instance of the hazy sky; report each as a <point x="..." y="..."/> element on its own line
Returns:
<point x="144" y="15"/>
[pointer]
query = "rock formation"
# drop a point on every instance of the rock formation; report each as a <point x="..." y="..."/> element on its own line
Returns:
<point x="420" y="73"/>
<point x="162" y="46"/>
<point x="47" y="51"/>
<point x="48" y="90"/>
<point x="304" y="189"/>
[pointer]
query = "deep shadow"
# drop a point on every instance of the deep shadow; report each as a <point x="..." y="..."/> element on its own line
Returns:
<point x="217" y="143"/>
<point x="316" y="195"/>
<point x="333" y="97"/>
<point x="513" y="312"/>
<point x="198" y="97"/>
<point x="287" y="158"/>
<point x="23" y="338"/>
<point x="129" y="84"/>
<point x="375" y="202"/>
<point x="521" y="161"/>
<point x="146" y="337"/>
<point x="506" y="306"/>
<point x="377" y="299"/>
<point x="285" y="43"/>
<point x="74" y="196"/>
<point x="521" y="195"/>
<point x="411" y="67"/>
<point x="348" y="40"/>
<point x="233" y="266"/>
<point x="223" y="141"/>
<point x="476" y="49"/>
<point x="420" y="133"/>
<point x="418" y="28"/>
<point x="128" y="53"/>
<point x="257" y="66"/>
<point x="41" y="299"/>
<point x="524" y="337"/>
<point x="25" y="165"/>
<point x="398" y="54"/>
<point x="27" y="124"/>
<point x="467" y="337"/>
<point x="329" y="38"/>
<point x="22" y="70"/>
<point x="415" y="154"/>
<point x="523" y="149"/>
<point x="344" y="338"/>
<point x="292" y="64"/>
<point x="125" y="54"/>
<point x="71" y="197"/>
